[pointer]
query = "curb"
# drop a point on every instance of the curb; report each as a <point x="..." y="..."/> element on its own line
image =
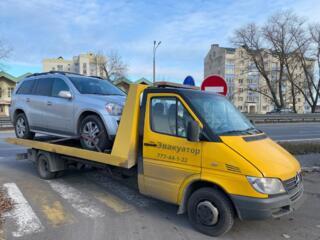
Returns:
<point x="310" y="169"/>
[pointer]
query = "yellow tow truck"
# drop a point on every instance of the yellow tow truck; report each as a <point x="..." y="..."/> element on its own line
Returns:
<point x="193" y="149"/>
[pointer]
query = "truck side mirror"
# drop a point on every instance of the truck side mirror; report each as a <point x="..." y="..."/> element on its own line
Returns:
<point x="193" y="131"/>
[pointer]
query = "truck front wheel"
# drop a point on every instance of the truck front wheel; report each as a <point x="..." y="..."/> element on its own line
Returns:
<point x="210" y="211"/>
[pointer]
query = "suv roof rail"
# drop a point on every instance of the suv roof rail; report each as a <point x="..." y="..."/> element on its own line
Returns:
<point x="50" y="72"/>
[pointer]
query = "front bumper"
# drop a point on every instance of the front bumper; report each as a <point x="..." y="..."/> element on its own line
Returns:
<point x="249" y="208"/>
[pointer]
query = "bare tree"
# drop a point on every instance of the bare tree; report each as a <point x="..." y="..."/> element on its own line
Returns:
<point x="112" y="65"/>
<point x="276" y="40"/>
<point x="4" y="53"/>
<point x="313" y="83"/>
<point x="251" y="39"/>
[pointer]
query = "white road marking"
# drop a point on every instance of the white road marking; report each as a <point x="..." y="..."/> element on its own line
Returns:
<point x="299" y="140"/>
<point x="77" y="199"/>
<point x="22" y="213"/>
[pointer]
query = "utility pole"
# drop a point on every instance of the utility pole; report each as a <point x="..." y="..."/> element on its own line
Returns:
<point x="155" y="46"/>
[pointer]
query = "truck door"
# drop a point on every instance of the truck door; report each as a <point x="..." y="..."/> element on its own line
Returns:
<point x="168" y="157"/>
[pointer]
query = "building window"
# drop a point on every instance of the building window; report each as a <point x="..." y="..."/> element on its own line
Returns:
<point x="240" y="99"/>
<point x="0" y="92"/>
<point x="60" y="67"/>
<point x="1" y="108"/>
<point x="84" y="72"/>
<point x="240" y="81"/>
<point x="10" y="90"/>
<point x="53" y="69"/>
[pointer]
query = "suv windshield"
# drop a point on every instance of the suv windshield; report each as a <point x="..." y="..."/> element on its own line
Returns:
<point x="88" y="85"/>
<point x="219" y="114"/>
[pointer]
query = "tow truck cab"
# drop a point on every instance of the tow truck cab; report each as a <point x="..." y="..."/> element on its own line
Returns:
<point x="193" y="149"/>
<point x="196" y="146"/>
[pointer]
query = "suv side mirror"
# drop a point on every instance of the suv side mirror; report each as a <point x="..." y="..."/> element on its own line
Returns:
<point x="193" y="131"/>
<point x="65" y="94"/>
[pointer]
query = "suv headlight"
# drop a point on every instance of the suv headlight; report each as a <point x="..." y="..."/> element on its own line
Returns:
<point x="114" y="109"/>
<point x="266" y="185"/>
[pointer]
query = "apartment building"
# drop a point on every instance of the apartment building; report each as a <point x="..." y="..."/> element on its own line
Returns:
<point x="88" y="64"/>
<point x="241" y="75"/>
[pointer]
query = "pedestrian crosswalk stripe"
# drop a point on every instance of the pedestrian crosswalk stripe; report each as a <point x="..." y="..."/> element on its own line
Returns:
<point x="22" y="213"/>
<point x="55" y="213"/>
<point x="113" y="202"/>
<point x="77" y="199"/>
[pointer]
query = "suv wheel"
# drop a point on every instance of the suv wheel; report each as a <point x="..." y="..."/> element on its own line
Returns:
<point x="210" y="212"/>
<point x="93" y="135"/>
<point x="21" y="127"/>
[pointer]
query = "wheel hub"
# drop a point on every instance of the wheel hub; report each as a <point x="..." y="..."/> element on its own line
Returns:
<point x="207" y="213"/>
<point x="91" y="131"/>
<point x="20" y="127"/>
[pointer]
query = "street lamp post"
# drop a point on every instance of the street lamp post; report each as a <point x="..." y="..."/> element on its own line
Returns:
<point x="155" y="46"/>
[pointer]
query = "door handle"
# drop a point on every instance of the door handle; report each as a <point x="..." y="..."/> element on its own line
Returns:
<point x="49" y="103"/>
<point x="150" y="144"/>
<point x="28" y="100"/>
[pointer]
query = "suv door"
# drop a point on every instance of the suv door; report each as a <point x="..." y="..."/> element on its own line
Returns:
<point x="60" y="115"/>
<point x="38" y="103"/>
<point x="168" y="157"/>
<point x="22" y="99"/>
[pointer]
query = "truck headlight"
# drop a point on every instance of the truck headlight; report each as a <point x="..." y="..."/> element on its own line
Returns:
<point x="114" y="109"/>
<point x="266" y="185"/>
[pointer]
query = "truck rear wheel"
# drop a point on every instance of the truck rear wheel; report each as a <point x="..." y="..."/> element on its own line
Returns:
<point x="43" y="167"/>
<point x="210" y="212"/>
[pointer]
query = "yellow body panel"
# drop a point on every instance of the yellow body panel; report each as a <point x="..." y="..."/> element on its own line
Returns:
<point x="269" y="157"/>
<point x="126" y="141"/>
<point x="226" y="168"/>
<point x="167" y="165"/>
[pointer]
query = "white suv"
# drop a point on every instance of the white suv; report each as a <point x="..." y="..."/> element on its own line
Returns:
<point x="68" y="105"/>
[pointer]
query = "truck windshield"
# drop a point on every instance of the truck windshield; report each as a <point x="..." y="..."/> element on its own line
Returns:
<point x="221" y="116"/>
<point x="88" y="85"/>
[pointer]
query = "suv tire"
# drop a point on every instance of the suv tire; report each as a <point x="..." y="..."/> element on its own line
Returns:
<point x="21" y="127"/>
<point x="210" y="211"/>
<point x="93" y="134"/>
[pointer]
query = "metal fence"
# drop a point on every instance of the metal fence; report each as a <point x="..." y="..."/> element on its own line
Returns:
<point x="284" y="118"/>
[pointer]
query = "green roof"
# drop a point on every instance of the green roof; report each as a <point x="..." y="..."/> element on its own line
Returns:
<point x="13" y="78"/>
<point x="143" y="80"/>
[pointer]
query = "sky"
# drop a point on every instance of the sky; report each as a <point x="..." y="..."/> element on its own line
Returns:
<point x="51" y="28"/>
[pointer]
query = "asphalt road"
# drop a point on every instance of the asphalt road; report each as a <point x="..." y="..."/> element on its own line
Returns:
<point x="90" y="204"/>
<point x="291" y="131"/>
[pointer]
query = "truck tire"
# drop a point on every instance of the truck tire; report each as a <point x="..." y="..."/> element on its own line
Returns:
<point x="210" y="212"/>
<point x="93" y="134"/>
<point x="21" y="127"/>
<point x="43" y="166"/>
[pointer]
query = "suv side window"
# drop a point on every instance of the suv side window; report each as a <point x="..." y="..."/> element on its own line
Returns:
<point x="59" y="85"/>
<point x="26" y="87"/>
<point x="44" y="86"/>
<point x="169" y="116"/>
